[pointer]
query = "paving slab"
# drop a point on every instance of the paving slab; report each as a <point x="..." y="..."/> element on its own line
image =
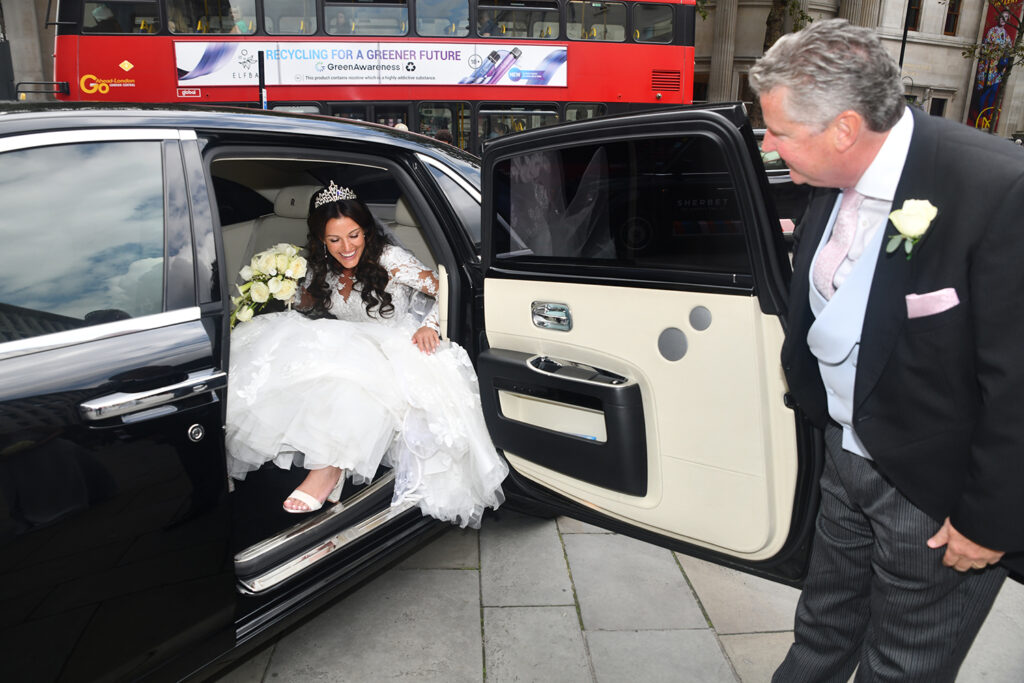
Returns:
<point x="658" y="657"/>
<point x="413" y="626"/>
<point x="568" y="525"/>
<point x="455" y="549"/>
<point x="625" y="584"/>
<point x="522" y="562"/>
<point x="534" y="644"/>
<point x="755" y="656"/>
<point x="997" y="655"/>
<point x="740" y="603"/>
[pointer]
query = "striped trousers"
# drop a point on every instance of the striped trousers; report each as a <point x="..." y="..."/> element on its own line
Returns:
<point x="877" y="598"/>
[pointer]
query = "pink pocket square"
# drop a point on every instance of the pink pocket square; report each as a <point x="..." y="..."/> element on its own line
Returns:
<point x="932" y="303"/>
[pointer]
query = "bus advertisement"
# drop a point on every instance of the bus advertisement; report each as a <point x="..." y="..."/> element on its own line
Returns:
<point x="480" y="68"/>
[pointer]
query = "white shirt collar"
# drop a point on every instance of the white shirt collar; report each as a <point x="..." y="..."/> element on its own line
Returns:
<point x="883" y="175"/>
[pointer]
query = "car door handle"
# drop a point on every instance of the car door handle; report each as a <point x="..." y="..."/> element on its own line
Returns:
<point x="122" y="403"/>
<point x="551" y="316"/>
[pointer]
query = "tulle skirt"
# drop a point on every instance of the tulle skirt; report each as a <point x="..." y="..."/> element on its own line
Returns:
<point x="317" y="393"/>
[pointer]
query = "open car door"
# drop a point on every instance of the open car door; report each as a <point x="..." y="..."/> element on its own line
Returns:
<point x="634" y="297"/>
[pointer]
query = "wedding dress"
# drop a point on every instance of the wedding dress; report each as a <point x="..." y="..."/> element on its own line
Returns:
<point x="353" y="392"/>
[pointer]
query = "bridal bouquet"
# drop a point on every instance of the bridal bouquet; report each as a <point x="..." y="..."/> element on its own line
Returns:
<point x="272" y="274"/>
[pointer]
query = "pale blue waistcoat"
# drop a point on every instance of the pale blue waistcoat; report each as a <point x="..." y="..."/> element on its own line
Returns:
<point x="834" y="338"/>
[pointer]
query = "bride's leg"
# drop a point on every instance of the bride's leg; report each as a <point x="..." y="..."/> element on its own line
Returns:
<point x="319" y="484"/>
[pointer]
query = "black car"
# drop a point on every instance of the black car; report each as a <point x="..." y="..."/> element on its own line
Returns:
<point x="620" y="284"/>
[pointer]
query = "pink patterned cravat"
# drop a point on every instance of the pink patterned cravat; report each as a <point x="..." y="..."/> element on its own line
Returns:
<point x="838" y="246"/>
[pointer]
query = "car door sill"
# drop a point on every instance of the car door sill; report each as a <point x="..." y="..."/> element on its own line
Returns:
<point x="273" y="561"/>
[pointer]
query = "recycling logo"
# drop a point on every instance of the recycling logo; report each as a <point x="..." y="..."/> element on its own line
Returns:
<point x="409" y="66"/>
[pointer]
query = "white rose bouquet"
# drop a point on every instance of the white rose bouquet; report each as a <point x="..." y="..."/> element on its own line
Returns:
<point x="272" y="274"/>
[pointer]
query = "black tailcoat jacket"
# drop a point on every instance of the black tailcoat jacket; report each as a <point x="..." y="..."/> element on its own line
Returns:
<point x="939" y="399"/>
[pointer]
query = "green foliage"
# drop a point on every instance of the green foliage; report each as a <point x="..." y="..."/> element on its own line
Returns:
<point x="798" y="15"/>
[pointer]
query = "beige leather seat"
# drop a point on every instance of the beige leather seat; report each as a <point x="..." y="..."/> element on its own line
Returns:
<point x="410" y="234"/>
<point x="286" y="224"/>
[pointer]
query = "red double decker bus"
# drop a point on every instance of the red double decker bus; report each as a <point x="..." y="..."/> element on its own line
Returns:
<point x="480" y="68"/>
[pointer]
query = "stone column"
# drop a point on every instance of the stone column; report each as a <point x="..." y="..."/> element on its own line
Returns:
<point x="869" y="13"/>
<point x="23" y="30"/>
<point x="722" y="51"/>
<point x="851" y="11"/>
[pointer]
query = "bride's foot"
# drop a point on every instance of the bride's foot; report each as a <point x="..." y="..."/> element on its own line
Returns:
<point x="318" y="486"/>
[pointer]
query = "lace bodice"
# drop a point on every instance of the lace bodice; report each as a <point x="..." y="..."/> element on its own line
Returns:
<point x="413" y="290"/>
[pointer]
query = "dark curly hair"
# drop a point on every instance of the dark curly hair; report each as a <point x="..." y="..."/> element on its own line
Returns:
<point x="370" y="277"/>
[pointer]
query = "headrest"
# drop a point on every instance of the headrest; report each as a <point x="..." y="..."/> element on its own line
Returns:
<point x="402" y="215"/>
<point x="293" y="202"/>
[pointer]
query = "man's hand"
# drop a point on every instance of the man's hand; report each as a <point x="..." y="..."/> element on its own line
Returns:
<point x="962" y="554"/>
<point x="426" y="339"/>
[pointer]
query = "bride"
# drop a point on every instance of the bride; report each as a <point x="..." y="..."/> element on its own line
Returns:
<point x="361" y="379"/>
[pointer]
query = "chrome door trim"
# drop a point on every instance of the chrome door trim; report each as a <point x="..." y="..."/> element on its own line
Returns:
<point x="64" y="137"/>
<point x="323" y="550"/>
<point x="255" y="551"/>
<point x="121" y="403"/>
<point x="83" y="335"/>
<point x="459" y="180"/>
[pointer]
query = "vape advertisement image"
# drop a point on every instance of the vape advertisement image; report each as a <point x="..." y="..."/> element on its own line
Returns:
<point x="377" y="63"/>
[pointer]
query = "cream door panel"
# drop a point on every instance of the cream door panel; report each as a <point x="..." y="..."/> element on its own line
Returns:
<point x="721" y="444"/>
<point x="442" y="298"/>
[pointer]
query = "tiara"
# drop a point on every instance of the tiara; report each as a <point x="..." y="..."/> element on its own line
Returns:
<point x="333" y="193"/>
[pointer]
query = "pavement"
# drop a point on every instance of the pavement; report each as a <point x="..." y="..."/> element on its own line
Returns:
<point x="558" y="601"/>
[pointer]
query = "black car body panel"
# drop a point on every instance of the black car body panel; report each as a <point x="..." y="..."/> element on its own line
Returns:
<point x="119" y="532"/>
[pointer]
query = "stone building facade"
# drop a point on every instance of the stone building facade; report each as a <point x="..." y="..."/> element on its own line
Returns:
<point x="728" y="41"/>
<point x="936" y="75"/>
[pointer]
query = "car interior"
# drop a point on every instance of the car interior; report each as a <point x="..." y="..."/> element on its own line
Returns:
<point x="263" y="200"/>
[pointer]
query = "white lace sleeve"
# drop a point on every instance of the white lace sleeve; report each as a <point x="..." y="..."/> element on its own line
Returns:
<point x="405" y="269"/>
<point x="300" y="293"/>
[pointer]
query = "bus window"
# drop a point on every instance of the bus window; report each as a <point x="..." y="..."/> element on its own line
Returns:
<point x="582" y="112"/>
<point x="390" y="115"/>
<point x="453" y="116"/>
<point x="211" y="16"/>
<point x="142" y="16"/>
<point x="596" y="21"/>
<point x="356" y="112"/>
<point x="442" y="17"/>
<point x="652" y="24"/>
<point x="498" y="119"/>
<point x="290" y="17"/>
<point x="517" y="19"/>
<point x="372" y="18"/>
<point x="339" y="19"/>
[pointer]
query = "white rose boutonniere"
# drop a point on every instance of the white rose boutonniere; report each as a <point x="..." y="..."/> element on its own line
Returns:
<point x="273" y="274"/>
<point x="912" y="221"/>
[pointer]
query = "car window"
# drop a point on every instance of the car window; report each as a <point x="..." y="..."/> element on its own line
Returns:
<point x="237" y="203"/>
<point x="83" y="232"/>
<point x="653" y="203"/>
<point x="464" y="204"/>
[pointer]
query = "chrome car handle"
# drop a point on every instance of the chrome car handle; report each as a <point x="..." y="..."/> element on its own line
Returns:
<point x="551" y="316"/>
<point x="121" y="403"/>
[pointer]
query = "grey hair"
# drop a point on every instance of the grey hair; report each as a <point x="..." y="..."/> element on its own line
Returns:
<point x="828" y="68"/>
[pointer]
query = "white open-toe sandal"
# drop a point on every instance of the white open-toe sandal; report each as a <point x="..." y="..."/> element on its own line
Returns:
<point x="333" y="497"/>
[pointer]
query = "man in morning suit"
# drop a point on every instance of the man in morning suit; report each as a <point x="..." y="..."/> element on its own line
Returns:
<point x="905" y="343"/>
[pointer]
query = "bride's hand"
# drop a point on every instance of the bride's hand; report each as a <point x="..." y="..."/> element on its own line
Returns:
<point x="426" y="339"/>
